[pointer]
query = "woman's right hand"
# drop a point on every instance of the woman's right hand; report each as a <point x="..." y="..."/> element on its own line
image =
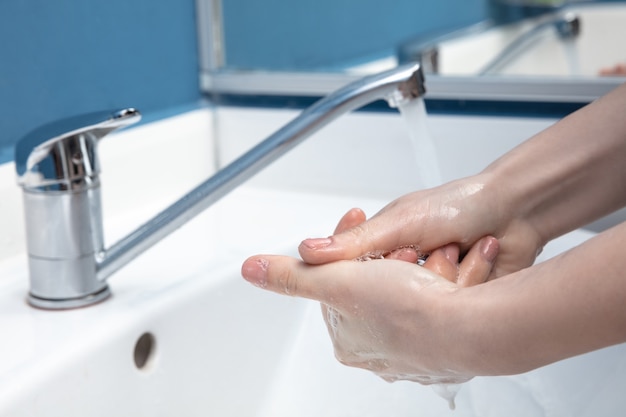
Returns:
<point x="529" y="196"/>
<point x="460" y="212"/>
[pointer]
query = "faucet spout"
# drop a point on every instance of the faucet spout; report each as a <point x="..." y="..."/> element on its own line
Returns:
<point x="402" y="83"/>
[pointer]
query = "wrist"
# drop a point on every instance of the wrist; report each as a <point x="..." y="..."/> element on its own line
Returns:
<point x="571" y="173"/>
<point x="465" y="334"/>
<point x="518" y="197"/>
<point x="486" y="342"/>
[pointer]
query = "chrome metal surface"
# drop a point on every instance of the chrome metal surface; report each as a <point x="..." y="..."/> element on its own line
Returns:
<point x="210" y="34"/>
<point x="62" y="155"/>
<point x="425" y="49"/>
<point x="68" y="263"/>
<point x="406" y="81"/>
<point x="510" y="88"/>
<point x="566" y="26"/>
<point x="429" y="58"/>
<point x="69" y="303"/>
<point x="216" y="77"/>
<point x="57" y="167"/>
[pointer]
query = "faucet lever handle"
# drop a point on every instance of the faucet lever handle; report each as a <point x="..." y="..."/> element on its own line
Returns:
<point x="62" y="155"/>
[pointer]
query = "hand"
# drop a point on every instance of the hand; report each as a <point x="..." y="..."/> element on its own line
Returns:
<point x="388" y="316"/>
<point x="443" y="261"/>
<point x="460" y="212"/>
<point x="618" y="70"/>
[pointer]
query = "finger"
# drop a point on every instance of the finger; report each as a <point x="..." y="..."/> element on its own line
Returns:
<point x="286" y="275"/>
<point x="444" y="261"/>
<point x="336" y="283"/>
<point x="421" y="218"/>
<point x="478" y="263"/>
<point x="373" y="235"/>
<point x="404" y="254"/>
<point x="352" y="218"/>
<point x="396" y="225"/>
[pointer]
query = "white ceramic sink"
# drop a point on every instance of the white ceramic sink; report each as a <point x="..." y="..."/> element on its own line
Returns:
<point x="223" y="347"/>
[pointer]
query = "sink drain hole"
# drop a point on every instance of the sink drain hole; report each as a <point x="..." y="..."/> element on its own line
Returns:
<point x="144" y="351"/>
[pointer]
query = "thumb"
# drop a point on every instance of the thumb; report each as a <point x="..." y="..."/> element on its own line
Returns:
<point x="286" y="275"/>
<point x="324" y="250"/>
<point x="339" y="282"/>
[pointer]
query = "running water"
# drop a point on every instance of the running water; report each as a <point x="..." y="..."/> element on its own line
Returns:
<point x="447" y="392"/>
<point x="572" y="56"/>
<point x="414" y="114"/>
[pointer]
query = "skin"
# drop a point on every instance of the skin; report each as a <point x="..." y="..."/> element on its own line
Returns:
<point x="617" y="70"/>
<point x="361" y="335"/>
<point x="414" y="324"/>
<point x="559" y="180"/>
<point x="473" y="270"/>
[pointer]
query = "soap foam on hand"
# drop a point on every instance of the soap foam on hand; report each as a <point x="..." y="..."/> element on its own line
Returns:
<point x="379" y="254"/>
<point x="446" y="391"/>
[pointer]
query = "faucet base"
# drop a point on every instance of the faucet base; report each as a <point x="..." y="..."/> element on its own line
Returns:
<point x="69" y="303"/>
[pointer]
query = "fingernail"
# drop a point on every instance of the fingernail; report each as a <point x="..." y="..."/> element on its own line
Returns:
<point x="489" y="248"/>
<point x="452" y="253"/>
<point x="255" y="271"/>
<point x="404" y="254"/>
<point x="317" y="243"/>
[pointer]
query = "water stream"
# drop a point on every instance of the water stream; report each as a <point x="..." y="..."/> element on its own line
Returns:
<point x="427" y="163"/>
<point x="429" y="175"/>
<point x="572" y="56"/>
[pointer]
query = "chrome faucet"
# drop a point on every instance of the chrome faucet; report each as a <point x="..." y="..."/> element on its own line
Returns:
<point x="566" y="25"/>
<point x="57" y="167"/>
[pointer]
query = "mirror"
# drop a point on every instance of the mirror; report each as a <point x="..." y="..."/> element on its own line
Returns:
<point x="573" y="40"/>
<point x="497" y="42"/>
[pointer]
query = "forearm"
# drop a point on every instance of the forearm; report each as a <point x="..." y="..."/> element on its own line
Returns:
<point x="569" y="174"/>
<point x="569" y="305"/>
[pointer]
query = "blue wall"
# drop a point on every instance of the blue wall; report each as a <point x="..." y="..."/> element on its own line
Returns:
<point x="326" y="34"/>
<point x="62" y="57"/>
<point x="296" y="34"/>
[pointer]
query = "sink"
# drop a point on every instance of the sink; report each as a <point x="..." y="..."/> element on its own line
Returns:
<point x="184" y="334"/>
<point x="219" y="346"/>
